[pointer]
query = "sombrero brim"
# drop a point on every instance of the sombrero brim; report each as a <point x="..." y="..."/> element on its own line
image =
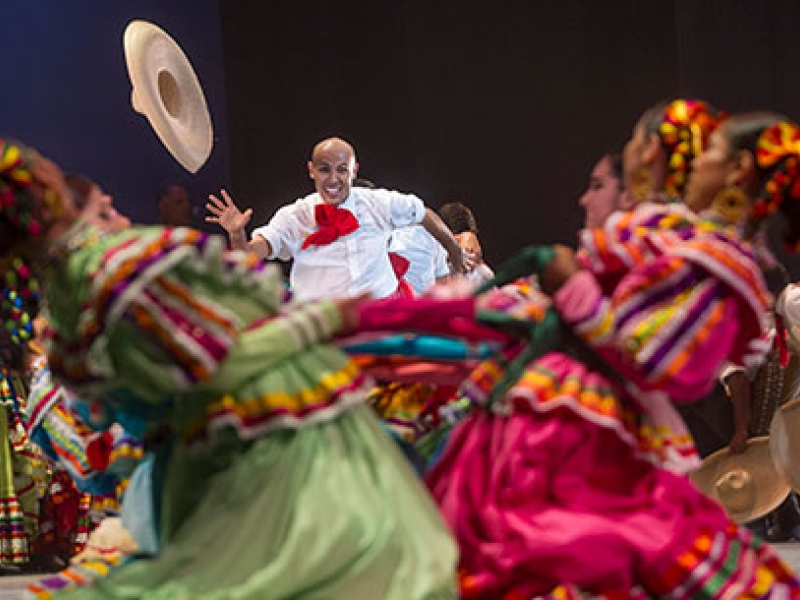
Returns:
<point x="788" y="306"/>
<point x="784" y="443"/>
<point x="167" y="92"/>
<point x="770" y="487"/>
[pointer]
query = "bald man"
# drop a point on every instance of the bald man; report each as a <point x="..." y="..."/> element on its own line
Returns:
<point x="338" y="235"/>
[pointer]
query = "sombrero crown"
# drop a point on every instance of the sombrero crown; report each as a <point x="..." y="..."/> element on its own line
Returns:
<point x="167" y="92"/>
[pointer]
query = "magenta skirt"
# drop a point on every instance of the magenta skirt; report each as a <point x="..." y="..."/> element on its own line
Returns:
<point x="544" y="499"/>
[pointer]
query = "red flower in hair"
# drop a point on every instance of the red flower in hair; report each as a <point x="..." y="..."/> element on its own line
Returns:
<point x="778" y="149"/>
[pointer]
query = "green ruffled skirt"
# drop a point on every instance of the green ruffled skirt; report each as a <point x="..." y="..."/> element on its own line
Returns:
<point x="328" y="511"/>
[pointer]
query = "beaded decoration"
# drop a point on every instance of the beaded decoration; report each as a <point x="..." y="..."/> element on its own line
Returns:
<point x="19" y="296"/>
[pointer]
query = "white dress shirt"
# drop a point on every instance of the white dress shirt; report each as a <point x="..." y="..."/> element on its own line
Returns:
<point x="426" y="256"/>
<point x="354" y="264"/>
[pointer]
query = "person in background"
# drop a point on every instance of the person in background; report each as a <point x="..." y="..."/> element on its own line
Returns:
<point x="174" y="207"/>
<point x="461" y="221"/>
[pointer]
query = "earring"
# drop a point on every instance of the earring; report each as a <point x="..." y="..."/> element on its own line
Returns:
<point x="641" y="184"/>
<point x="729" y="205"/>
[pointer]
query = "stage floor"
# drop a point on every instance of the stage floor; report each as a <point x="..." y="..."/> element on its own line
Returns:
<point x="11" y="586"/>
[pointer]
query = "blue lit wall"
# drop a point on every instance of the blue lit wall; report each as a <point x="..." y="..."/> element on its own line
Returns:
<point x="65" y="91"/>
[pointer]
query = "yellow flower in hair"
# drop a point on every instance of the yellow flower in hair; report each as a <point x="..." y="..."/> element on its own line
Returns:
<point x="777" y="142"/>
<point x="9" y="157"/>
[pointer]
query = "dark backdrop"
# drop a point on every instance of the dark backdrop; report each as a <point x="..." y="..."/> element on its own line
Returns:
<point x="65" y="90"/>
<point x="504" y="105"/>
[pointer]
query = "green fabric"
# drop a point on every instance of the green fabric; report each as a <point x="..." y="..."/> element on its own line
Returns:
<point x="529" y="261"/>
<point x="328" y="510"/>
<point x="127" y="356"/>
<point x="331" y="511"/>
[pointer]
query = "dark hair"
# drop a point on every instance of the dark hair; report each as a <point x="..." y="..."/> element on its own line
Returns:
<point x="615" y="162"/>
<point x="363" y="182"/>
<point x="652" y="118"/>
<point x="743" y="132"/>
<point x="81" y="188"/>
<point x="458" y="217"/>
<point x="12" y="354"/>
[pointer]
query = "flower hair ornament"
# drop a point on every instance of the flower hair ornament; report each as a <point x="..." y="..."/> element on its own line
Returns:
<point x="684" y="132"/>
<point x="15" y="180"/>
<point x="778" y="149"/>
<point x="19" y="291"/>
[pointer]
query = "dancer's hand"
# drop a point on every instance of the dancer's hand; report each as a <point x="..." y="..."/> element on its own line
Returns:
<point x="561" y="268"/>
<point x="462" y="261"/>
<point x="738" y="442"/>
<point x="349" y="309"/>
<point x="226" y="214"/>
<point x="469" y="242"/>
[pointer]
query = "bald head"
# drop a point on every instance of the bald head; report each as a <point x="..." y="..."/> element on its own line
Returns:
<point x="333" y="167"/>
<point x="332" y="145"/>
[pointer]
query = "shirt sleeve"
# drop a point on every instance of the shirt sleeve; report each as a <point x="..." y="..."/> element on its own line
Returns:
<point x="400" y="210"/>
<point x="441" y="268"/>
<point x="282" y="232"/>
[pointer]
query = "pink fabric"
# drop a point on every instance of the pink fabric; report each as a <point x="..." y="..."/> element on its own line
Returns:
<point x="580" y="297"/>
<point x="448" y="317"/>
<point x="536" y="500"/>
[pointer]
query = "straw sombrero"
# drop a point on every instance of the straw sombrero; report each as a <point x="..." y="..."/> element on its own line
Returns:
<point x="747" y="485"/>
<point x="788" y="307"/>
<point x="167" y="92"/>
<point x="785" y="441"/>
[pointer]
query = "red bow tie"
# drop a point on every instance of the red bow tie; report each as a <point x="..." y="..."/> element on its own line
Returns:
<point x="333" y="223"/>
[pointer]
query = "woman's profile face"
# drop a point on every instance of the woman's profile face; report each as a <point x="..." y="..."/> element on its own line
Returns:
<point x="100" y="211"/>
<point x="603" y="196"/>
<point x="709" y="172"/>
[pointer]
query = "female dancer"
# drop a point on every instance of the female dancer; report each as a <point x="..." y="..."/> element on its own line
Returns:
<point x="276" y="481"/>
<point x="567" y="477"/>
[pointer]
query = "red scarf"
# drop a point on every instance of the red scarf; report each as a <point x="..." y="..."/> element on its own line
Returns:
<point x="333" y="223"/>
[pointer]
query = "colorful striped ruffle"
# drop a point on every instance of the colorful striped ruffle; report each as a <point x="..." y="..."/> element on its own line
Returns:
<point x="557" y="381"/>
<point x="13" y="537"/>
<point x="401" y="405"/>
<point x="78" y="575"/>
<point x="253" y="416"/>
<point x="726" y="564"/>
<point x="571" y="592"/>
<point x="136" y="276"/>
<point x="690" y="249"/>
